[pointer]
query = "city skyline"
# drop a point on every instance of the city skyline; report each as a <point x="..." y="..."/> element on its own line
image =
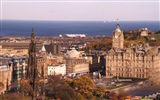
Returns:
<point x="80" y="10"/>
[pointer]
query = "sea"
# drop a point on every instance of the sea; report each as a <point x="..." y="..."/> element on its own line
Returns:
<point x="56" y="28"/>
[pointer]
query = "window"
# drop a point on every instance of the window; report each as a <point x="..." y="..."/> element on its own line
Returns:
<point x="130" y="75"/>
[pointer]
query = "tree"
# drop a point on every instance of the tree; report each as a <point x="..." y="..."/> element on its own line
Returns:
<point x="85" y="86"/>
<point x="57" y="87"/>
<point x="13" y="96"/>
<point x="104" y="45"/>
<point x="69" y="81"/>
<point x="111" y="96"/>
<point x="99" y="90"/>
<point x="79" y="96"/>
<point x="25" y="87"/>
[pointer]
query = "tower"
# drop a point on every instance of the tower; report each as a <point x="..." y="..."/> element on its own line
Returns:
<point x="117" y="38"/>
<point x="35" y="80"/>
<point x="32" y="70"/>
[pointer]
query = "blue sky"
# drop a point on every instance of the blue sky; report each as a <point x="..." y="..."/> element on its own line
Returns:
<point x="81" y="10"/>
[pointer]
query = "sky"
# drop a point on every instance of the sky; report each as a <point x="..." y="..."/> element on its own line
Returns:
<point x="81" y="10"/>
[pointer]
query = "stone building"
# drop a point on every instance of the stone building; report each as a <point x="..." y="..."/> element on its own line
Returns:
<point x="41" y="61"/>
<point x="96" y="61"/>
<point x="136" y="61"/>
<point x="5" y="74"/>
<point x="144" y="32"/>
<point x="58" y="69"/>
<point x="13" y="52"/>
<point x="52" y="59"/>
<point x="53" y="48"/>
<point x="0" y="48"/>
<point x="75" y="63"/>
<point x="19" y="46"/>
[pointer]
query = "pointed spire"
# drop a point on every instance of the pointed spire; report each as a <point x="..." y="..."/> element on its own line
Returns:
<point x="32" y="35"/>
<point x="43" y="48"/>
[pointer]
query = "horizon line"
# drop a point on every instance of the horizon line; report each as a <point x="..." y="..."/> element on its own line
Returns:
<point x="71" y="20"/>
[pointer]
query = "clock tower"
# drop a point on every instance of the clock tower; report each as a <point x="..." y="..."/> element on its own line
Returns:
<point x="117" y="38"/>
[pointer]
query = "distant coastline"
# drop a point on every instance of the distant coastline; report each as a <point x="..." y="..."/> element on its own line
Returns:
<point x="56" y="28"/>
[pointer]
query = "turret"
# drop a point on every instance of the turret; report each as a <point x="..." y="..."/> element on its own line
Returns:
<point x="117" y="38"/>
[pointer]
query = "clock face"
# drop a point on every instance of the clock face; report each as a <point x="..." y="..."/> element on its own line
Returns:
<point x="116" y="36"/>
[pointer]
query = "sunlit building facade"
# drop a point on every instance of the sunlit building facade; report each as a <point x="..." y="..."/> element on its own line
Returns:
<point x="136" y="61"/>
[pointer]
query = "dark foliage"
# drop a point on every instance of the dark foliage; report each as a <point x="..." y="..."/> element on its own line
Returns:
<point x="57" y="87"/>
